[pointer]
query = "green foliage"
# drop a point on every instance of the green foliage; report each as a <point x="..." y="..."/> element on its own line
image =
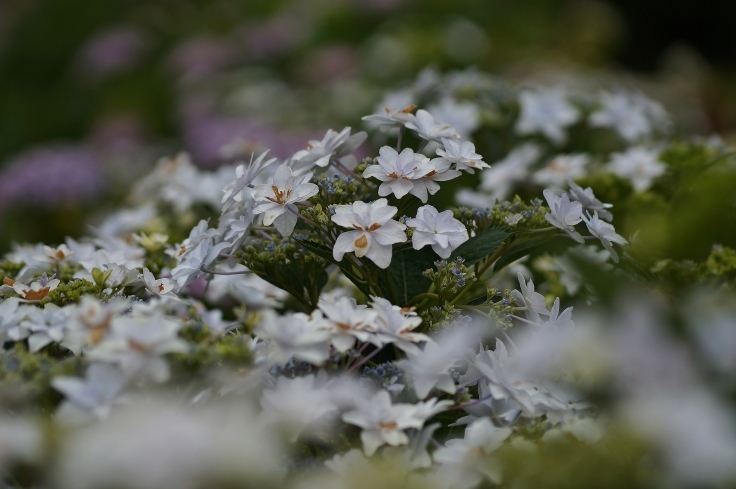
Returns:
<point x="405" y="277"/>
<point x="482" y="245"/>
<point x="25" y="378"/>
<point x="290" y="265"/>
<point x="70" y="292"/>
<point x="10" y="269"/>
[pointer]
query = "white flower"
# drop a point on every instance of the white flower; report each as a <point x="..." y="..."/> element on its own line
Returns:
<point x="561" y="168"/>
<point x="45" y="326"/>
<point x="430" y="368"/>
<point x="395" y="325"/>
<point x="631" y="115"/>
<point x="498" y="181"/>
<point x="374" y="231"/>
<point x="384" y="423"/>
<point x="639" y="165"/>
<point x="481" y="439"/>
<point x="588" y="201"/>
<point x="441" y="172"/>
<point x="347" y="321"/>
<point x="391" y="117"/>
<point x="58" y="254"/>
<point x="294" y="336"/>
<point x="400" y="172"/>
<point x="38" y="290"/>
<point x="234" y="192"/>
<point x="162" y="286"/>
<point x="462" y="154"/>
<point x="10" y="315"/>
<point x="333" y="146"/>
<point x="533" y="302"/>
<point x="281" y="194"/>
<point x="464" y="117"/>
<point x="605" y="232"/>
<point x="439" y="229"/>
<point x="547" y="111"/>
<point x="505" y="380"/>
<point x="89" y="322"/>
<point x="557" y="320"/>
<point x="298" y="404"/>
<point x="137" y="343"/>
<point x="428" y="128"/>
<point x="564" y="214"/>
<point x="91" y="398"/>
<point x="190" y="265"/>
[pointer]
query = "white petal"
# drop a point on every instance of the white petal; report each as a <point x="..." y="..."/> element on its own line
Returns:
<point x="285" y="223"/>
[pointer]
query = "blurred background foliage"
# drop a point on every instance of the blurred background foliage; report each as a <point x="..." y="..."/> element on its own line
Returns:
<point x="92" y="93"/>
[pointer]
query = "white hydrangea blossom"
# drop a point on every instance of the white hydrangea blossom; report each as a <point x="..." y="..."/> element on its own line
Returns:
<point x="547" y="111"/>
<point x="279" y="196"/>
<point x="564" y="214"/>
<point x="438" y="229"/>
<point x="374" y="231"/>
<point x="639" y="165"/>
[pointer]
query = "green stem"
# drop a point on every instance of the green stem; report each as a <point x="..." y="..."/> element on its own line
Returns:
<point x="425" y="295"/>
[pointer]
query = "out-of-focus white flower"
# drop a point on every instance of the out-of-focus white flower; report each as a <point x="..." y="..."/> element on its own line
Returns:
<point x="547" y="111"/>
<point x="505" y="380"/>
<point x="605" y="232"/>
<point x="347" y="321"/>
<point x="280" y="194"/>
<point x="333" y="146"/>
<point x="426" y="127"/>
<point x="56" y="255"/>
<point x="396" y="325"/>
<point x="10" y="316"/>
<point x="391" y="116"/>
<point x="464" y="117"/>
<point x="430" y="368"/>
<point x="498" y="181"/>
<point x="438" y="229"/>
<point x="697" y="436"/>
<point x="137" y="343"/>
<point x="41" y="326"/>
<point x="462" y="154"/>
<point x="588" y="200"/>
<point x="298" y="404"/>
<point x="561" y="168"/>
<point x="564" y="214"/>
<point x="631" y="115"/>
<point x="294" y="336"/>
<point x="155" y="444"/>
<point x="481" y="439"/>
<point x="638" y="165"/>
<point x="373" y="231"/>
<point x="384" y="423"/>
<point x="92" y="398"/>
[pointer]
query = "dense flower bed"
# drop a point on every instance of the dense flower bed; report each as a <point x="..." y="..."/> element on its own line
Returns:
<point x="403" y="317"/>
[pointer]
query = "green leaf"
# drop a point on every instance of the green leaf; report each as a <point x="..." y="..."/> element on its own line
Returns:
<point x="405" y="273"/>
<point x="325" y="252"/>
<point x="519" y="250"/>
<point x="481" y="245"/>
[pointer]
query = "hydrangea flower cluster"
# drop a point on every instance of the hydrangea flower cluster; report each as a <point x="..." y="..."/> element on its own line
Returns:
<point x="313" y="320"/>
